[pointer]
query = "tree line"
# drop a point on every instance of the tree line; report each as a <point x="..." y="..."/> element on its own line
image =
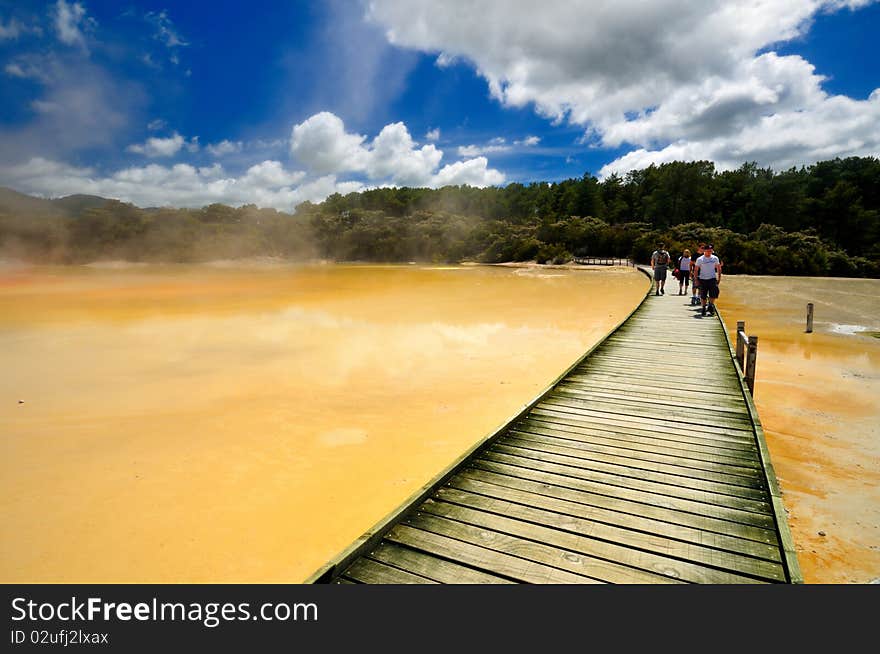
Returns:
<point x="821" y="220"/>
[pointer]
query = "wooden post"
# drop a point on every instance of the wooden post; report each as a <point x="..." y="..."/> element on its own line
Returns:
<point x="740" y="331"/>
<point x="750" y="363"/>
<point x="810" y="318"/>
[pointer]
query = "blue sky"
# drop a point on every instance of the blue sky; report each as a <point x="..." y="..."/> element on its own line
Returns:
<point x="274" y="103"/>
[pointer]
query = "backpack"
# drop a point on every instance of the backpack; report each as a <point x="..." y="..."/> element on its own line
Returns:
<point x="662" y="258"/>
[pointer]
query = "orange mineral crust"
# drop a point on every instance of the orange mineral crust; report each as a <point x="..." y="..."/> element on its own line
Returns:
<point x="244" y="423"/>
<point x="817" y="396"/>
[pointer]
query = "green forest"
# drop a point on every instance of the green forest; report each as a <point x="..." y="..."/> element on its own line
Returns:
<point x="819" y="220"/>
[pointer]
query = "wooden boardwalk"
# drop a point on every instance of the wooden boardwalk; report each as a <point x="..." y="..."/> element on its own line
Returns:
<point x="643" y="463"/>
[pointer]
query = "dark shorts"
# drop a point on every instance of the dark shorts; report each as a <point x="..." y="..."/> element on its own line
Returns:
<point x="684" y="276"/>
<point x="708" y="287"/>
<point x="660" y="273"/>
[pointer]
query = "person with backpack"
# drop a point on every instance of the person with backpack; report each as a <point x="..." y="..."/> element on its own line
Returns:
<point x="659" y="262"/>
<point x="709" y="273"/>
<point x="684" y="272"/>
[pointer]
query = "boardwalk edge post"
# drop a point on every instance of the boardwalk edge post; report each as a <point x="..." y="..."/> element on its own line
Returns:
<point x="751" y="362"/>
<point x="740" y="344"/>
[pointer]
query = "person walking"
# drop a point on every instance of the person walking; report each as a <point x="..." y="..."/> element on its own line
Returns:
<point x="695" y="281"/>
<point x="660" y="259"/>
<point x="684" y="272"/>
<point x="709" y="273"/>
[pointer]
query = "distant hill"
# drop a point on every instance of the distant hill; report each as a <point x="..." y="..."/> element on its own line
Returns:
<point x="75" y="204"/>
<point x="13" y="202"/>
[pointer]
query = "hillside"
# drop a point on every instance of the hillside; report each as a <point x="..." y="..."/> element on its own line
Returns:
<point x="13" y="202"/>
<point x="822" y="220"/>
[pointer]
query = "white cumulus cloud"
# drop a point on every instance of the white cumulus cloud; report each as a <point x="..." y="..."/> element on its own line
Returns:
<point x="271" y="175"/>
<point x="466" y="172"/>
<point x="498" y="145"/>
<point x="659" y="76"/>
<point x="394" y="155"/>
<point x="159" y="147"/>
<point x="164" y="147"/>
<point x="267" y="184"/>
<point x="320" y="142"/>
<point x="323" y="145"/>
<point x="224" y="147"/>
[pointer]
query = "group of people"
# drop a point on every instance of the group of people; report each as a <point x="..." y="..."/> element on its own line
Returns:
<point x="702" y="274"/>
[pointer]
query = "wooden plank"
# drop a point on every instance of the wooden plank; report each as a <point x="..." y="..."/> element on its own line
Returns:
<point x="678" y="394"/>
<point x="705" y="548"/>
<point x="689" y="346"/>
<point x="432" y="567"/>
<point x="668" y="351"/>
<point x="719" y="422"/>
<point x="631" y="483"/>
<point x="368" y="571"/>
<point x="550" y="454"/>
<point x="617" y="381"/>
<point x="688" y="453"/>
<point x="542" y="485"/>
<point x="661" y="356"/>
<point x="702" y="399"/>
<point x="626" y="369"/>
<point x="635" y="410"/>
<point x="648" y="419"/>
<point x="647" y="323"/>
<point x="477" y="548"/>
<point x="657" y="424"/>
<point x="650" y="370"/>
<point x="674" y="391"/>
<point x="509" y="541"/>
<point x="585" y="484"/>
<point x="552" y="415"/>
<point x="659" y="400"/>
<point x="664" y="355"/>
<point x="666" y="463"/>
<point x="703" y="345"/>
<point x="626" y="558"/>
<point x="634" y="407"/>
<point x="625" y="521"/>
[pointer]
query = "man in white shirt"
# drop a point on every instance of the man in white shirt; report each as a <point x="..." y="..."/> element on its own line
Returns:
<point x="708" y="270"/>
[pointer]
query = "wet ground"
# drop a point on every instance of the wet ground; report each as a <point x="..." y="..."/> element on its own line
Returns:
<point x="818" y="396"/>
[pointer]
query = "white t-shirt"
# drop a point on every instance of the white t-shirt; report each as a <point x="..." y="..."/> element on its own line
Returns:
<point x="706" y="266"/>
<point x="684" y="264"/>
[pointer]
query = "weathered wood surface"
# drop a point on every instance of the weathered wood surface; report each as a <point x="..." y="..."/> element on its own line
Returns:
<point x="644" y="463"/>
